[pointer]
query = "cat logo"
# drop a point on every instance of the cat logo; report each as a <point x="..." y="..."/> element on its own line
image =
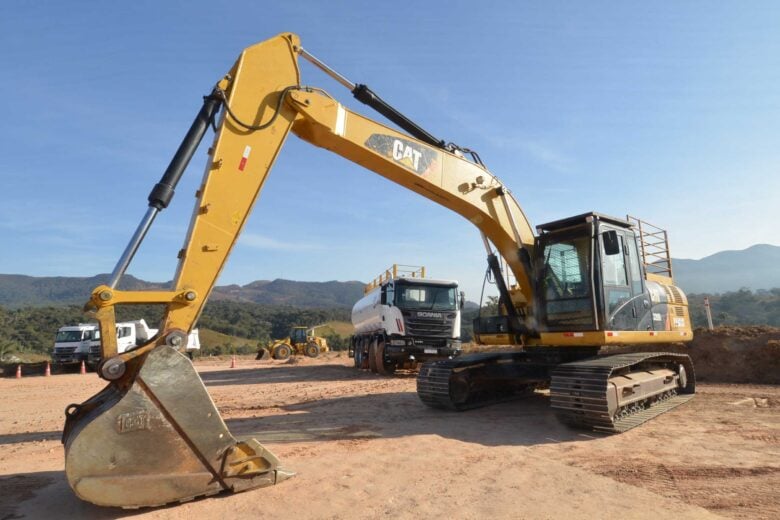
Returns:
<point x="404" y="153"/>
<point x="412" y="155"/>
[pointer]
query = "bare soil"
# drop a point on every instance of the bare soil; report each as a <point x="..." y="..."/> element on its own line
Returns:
<point x="363" y="446"/>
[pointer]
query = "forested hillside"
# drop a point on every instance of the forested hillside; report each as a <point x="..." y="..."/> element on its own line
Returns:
<point x="32" y="329"/>
<point x="22" y="291"/>
<point x="741" y="307"/>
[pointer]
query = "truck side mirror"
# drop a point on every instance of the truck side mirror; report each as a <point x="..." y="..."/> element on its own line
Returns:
<point x="611" y="242"/>
<point x="462" y="299"/>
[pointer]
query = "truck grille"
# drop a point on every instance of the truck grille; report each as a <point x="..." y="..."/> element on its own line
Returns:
<point x="65" y="350"/>
<point x="429" y="327"/>
<point x="94" y="349"/>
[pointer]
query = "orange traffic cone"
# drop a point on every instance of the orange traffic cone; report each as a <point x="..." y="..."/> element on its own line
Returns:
<point x="83" y="368"/>
<point x="233" y="362"/>
<point x="48" y="370"/>
<point x="18" y="371"/>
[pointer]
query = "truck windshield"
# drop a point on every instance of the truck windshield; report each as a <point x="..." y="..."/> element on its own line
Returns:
<point x="427" y="297"/>
<point x="68" y="336"/>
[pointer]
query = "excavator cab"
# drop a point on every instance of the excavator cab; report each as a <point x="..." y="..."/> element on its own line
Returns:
<point x="590" y="276"/>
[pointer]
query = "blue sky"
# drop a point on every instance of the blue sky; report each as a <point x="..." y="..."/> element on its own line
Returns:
<point x="667" y="111"/>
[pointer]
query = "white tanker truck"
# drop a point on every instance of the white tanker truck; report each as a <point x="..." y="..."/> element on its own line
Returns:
<point x="405" y="318"/>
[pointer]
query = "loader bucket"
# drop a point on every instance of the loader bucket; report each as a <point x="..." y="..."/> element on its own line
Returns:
<point x="263" y="354"/>
<point x="155" y="436"/>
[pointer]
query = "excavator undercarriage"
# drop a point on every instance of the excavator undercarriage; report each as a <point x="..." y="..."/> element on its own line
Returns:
<point x="607" y="393"/>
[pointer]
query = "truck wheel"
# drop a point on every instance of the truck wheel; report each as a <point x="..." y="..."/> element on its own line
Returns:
<point x="363" y="356"/>
<point x="282" y="351"/>
<point x="312" y="350"/>
<point x="386" y="368"/>
<point x="372" y="356"/>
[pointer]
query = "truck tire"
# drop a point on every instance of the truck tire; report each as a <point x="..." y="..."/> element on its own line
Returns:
<point x="386" y="368"/>
<point x="282" y="351"/>
<point x="372" y="356"/>
<point x="312" y="350"/>
<point x="363" y="355"/>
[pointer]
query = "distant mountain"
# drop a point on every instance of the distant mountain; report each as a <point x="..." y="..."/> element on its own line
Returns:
<point x="297" y="294"/>
<point x="757" y="267"/>
<point x="21" y="291"/>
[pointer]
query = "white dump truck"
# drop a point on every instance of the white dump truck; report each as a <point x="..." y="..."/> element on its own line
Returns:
<point x="134" y="333"/>
<point x="77" y="343"/>
<point x="405" y="318"/>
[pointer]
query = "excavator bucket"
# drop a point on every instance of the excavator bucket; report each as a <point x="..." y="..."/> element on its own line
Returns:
<point x="155" y="436"/>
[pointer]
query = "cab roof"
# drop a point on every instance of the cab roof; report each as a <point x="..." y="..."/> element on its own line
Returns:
<point x="581" y="219"/>
<point x="425" y="281"/>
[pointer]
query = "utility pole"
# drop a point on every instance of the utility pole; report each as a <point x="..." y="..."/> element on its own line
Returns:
<point x="709" y="313"/>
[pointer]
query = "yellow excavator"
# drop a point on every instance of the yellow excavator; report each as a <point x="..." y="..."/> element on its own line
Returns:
<point x="153" y="435"/>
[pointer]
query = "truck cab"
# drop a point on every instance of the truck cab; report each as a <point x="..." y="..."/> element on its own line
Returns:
<point x="407" y="319"/>
<point x="72" y="343"/>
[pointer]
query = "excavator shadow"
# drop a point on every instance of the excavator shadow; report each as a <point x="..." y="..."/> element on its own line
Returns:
<point x="527" y="421"/>
<point x="46" y="494"/>
<point x="15" y="438"/>
<point x="291" y="374"/>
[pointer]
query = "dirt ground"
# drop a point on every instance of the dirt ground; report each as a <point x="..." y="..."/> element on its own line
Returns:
<point x="363" y="446"/>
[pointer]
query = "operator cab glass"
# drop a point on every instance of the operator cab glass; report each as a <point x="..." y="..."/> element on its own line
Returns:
<point x="69" y="336"/>
<point x="590" y="276"/>
<point x="298" y="336"/>
<point x="566" y="284"/>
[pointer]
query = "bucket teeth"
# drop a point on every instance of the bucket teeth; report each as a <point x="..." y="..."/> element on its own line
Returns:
<point x="156" y="438"/>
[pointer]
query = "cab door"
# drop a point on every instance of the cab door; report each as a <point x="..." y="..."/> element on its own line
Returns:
<point x="619" y="293"/>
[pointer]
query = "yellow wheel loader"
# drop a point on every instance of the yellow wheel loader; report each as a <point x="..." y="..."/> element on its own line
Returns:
<point x="153" y="435"/>
<point x="301" y="341"/>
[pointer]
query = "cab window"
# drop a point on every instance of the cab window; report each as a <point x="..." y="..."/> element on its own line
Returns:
<point x="565" y="284"/>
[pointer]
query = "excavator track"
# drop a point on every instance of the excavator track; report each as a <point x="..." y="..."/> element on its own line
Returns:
<point x="583" y="392"/>
<point x="479" y="380"/>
